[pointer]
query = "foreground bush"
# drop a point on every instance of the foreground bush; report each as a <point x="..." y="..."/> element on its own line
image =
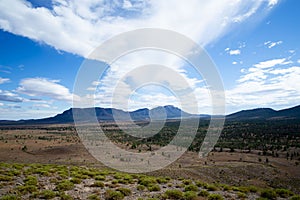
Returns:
<point x="215" y="197"/>
<point x="268" y="194"/>
<point x="174" y="194"/>
<point x="113" y="195"/>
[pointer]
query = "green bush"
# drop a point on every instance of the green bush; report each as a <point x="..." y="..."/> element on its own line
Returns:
<point x="140" y="187"/>
<point x="113" y="195"/>
<point x="47" y="194"/>
<point x="146" y="181"/>
<point x="100" y="178"/>
<point x="125" y="191"/>
<point x="295" y="197"/>
<point x="98" y="184"/>
<point x="253" y="189"/>
<point x="241" y="195"/>
<point x="269" y="194"/>
<point x="31" y="180"/>
<point x="64" y="196"/>
<point x="191" y="188"/>
<point x="186" y="182"/>
<point x="161" y="180"/>
<point x="25" y="189"/>
<point x="65" y="185"/>
<point x="174" y="194"/>
<point x="153" y="188"/>
<point x="76" y="180"/>
<point x="190" y="195"/>
<point x="9" y="197"/>
<point x="215" y="197"/>
<point x="200" y="184"/>
<point x="241" y="189"/>
<point x="5" y="178"/>
<point x="93" y="197"/>
<point x="284" y="193"/>
<point x="211" y="187"/>
<point x="203" y="193"/>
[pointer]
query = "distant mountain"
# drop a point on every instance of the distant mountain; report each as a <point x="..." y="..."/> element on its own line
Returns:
<point x="107" y="114"/>
<point x="265" y="114"/>
<point x="158" y="113"/>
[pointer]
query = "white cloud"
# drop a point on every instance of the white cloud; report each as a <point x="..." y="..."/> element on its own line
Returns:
<point x="78" y="26"/>
<point x="9" y="96"/>
<point x="4" y="80"/>
<point x="269" y="83"/>
<point x="272" y="63"/>
<point x="234" y="63"/>
<point x="298" y="61"/>
<point x="235" y="52"/>
<point x="42" y="87"/>
<point x="1" y="104"/>
<point x="272" y="3"/>
<point x="270" y="44"/>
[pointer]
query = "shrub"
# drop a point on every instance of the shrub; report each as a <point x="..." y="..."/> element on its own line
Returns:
<point x="295" y="197"/>
<point x="9" y="197"/>
<point x="47" y="194"/>
<point x="76" y="180"/>
<point x="284" y="193"/>
<point x="64" y="196"/>
<point x="241" y="195"/>
<point x="203" y="193"/>
<point x="191" y="188"/>
<point x="5" y="178"/>
<point x="98" y="184"/>
<point x="153" y="188"/>
<point x="146" y="181"/>
<point x="161" y="180"/>
<point x="269" y="194"/>
<point x="226" y="187"/>
<point x="186" y="182"/>
<point x="100" y="178"/>
<point x="125" y="191"/>
<point x="200" y="184"/>
<point x="253" y="189"/>
<point x="174" y="194"/>
<point x="140" y="187"/>
<point x="65" y="185"/>
<point x="215" y="197"/>
<point x="241" y="189"/>
<point x="113" y="195"/>
<point x="93" y="197"/>
<point x="211" y="187"/>
<point x="190" y="195"/>
<point x="31" y="180"/>
<point x="25" y="189"/>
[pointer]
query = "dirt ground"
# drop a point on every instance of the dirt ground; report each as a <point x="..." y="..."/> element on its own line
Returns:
<point x="60" y="145"/>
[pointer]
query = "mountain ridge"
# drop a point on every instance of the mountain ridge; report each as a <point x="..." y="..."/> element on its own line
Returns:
<point x="157" y="113"/>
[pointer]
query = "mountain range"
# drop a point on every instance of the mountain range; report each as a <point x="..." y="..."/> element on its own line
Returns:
<point x="158" y="113"/>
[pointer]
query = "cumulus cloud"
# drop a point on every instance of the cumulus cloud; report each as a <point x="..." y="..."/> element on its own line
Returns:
<point x="78" y="26"/>
<point x="4" y="80"/>
<point x="42" y="87"/>
<point x="273" y="82"/>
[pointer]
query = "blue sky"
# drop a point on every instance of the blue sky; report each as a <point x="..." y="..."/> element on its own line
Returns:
<point x="254" y="45"/>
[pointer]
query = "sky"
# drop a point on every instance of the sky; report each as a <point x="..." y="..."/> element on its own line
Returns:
<point x="254" y="45"/>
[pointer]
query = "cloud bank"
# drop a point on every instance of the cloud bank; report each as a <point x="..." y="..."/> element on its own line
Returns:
<point x="78" y="26"/>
